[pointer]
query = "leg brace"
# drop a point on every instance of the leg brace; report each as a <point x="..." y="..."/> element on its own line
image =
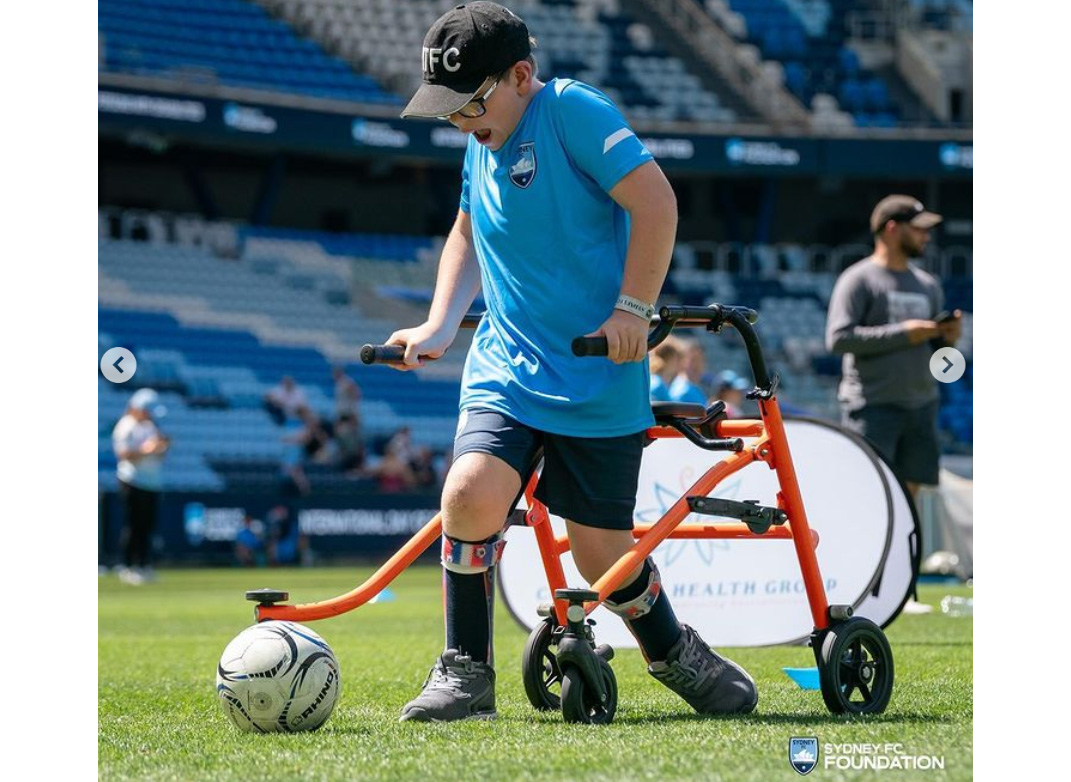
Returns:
<point x="641" y="605"/>
<point x="462" y="557"/>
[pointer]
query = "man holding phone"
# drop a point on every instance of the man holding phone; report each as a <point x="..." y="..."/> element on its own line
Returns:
<point x="886" y="318"/>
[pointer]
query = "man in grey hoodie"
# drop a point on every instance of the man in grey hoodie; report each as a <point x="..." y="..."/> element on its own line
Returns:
<point x="886" y="319"/>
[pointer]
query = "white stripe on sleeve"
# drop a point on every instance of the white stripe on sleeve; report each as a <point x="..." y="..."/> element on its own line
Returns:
<point x="615" y="138"/>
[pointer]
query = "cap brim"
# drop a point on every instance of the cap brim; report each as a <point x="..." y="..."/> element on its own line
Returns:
<point x="437" y="100"/>
<point x="926" y="220"/>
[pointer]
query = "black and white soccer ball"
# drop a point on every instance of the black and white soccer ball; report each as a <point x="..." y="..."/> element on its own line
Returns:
<point x="278" y="677"/>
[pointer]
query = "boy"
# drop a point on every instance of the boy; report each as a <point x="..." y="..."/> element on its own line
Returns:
<point x="567" y="224"/>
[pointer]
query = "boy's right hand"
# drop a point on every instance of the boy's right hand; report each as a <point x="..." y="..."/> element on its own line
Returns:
<point x="425" y="341"/>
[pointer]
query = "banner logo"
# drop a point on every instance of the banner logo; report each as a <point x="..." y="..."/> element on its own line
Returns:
<point x="803" y="754"/>
<point x="378" y="134"/>
<point x="760" y="153"/>
<point x="248" y="118"/>
<point x="957" y="156"/>
<point x="194" y="523"/>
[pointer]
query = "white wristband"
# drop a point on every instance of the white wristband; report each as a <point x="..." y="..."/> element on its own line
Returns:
<point x="638" y="308"/>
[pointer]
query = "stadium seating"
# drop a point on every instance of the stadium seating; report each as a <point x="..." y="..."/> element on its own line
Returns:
<point x="592" y="41"/>
<point x="231" y="42"/>
<point x="215" y="380"/>
<point x="259" y="44"/>
<point x="809" y="39"/>
<point x="217" y="333"/>
<point x="214" y="332"/>
<point x="945" y="14"/>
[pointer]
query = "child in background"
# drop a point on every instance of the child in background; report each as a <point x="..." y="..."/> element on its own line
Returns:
<point x="665" y="365"/>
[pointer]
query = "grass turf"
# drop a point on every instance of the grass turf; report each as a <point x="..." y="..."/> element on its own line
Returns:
<point x="159" y="720"/>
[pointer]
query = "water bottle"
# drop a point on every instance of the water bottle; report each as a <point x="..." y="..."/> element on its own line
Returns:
<point x="957" y="606"/>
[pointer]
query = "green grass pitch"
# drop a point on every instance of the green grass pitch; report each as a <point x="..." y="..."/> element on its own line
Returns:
<point x="159" y="720"/>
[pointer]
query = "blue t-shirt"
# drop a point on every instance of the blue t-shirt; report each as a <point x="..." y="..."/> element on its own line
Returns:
<point x="551" y="245"/>
<point x="684" y="390"/>
<point x="659" y="389"/>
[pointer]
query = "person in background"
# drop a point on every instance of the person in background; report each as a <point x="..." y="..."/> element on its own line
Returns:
<point x="665" y="364"/>
<point x="423" y="467"/>
<point x="287" y="545"/>
<point x="687" y="386"/>
<point x="350" y="455"/>
<point x="401" y="445"/>
<point x="730" y="388"/>
<point x="285" y="401"/>
<point x="139" y="450"/>
<point x="249" y="546"/>
<point x="886" y="318"/>
<point x="393" y="474"/>
<point x="347" y="395"/>
<point x="311" y="444"/>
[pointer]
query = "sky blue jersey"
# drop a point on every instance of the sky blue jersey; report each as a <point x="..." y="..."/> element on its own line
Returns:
<point x="551" y="246"/>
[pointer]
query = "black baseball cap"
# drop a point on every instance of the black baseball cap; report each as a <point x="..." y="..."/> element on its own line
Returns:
<point x="902" y="209"/>
<point x="461" y="50"/>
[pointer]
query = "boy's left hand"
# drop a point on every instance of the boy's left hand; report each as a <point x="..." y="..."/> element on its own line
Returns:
<point x="626" y="337"/>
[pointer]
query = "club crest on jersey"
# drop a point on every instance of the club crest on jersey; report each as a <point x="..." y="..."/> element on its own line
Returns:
<point x="523" y="169"/>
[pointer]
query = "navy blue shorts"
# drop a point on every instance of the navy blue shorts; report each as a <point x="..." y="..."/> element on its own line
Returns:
<point x="589" y="480"/>
<point x="907" y="439"/>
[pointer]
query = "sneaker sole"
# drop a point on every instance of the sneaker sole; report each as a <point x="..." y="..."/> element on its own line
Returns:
<point x="479" y="716"/>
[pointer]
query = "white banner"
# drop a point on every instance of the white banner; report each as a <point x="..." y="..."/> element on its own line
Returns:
<point x="750" y="592"/>
<point x="889" y="594"/>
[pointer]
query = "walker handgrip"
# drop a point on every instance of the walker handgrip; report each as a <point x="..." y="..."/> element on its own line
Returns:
<point x="382" y="354"/>
<point x="713" y="312"/>
<point x="691" y="313"/>
<point x="590" y="346"/>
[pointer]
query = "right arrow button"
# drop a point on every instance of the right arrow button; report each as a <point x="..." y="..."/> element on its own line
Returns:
<point x="948" y="365"/>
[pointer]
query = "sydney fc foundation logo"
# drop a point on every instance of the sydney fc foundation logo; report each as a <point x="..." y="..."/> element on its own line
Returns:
<point x="523" y="169"/>
<point x="803" y="754"/>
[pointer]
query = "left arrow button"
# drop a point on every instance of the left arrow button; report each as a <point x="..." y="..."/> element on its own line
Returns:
<point x="110" y="365"/>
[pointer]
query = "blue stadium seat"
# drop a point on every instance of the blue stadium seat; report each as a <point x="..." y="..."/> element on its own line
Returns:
<point x="237" y="41"/>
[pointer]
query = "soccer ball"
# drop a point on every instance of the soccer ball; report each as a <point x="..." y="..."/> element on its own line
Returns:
<point x="277" y="677"/>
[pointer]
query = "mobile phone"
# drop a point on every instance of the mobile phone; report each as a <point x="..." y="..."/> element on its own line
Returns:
<point x="944" y="316"/>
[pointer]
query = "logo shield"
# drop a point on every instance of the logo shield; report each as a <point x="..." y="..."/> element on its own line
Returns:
<point x="523" y="169"/>
<point x="803" y="754"/>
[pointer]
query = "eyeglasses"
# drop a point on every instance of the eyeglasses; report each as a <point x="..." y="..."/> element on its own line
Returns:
<point x="474" y="108"/>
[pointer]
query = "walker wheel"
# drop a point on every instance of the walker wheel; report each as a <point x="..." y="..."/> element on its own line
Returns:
<point x="579" y="702"/>
<point x="267" y="596"/>
<point x="855" y="668"/>
<point x="539" y="669"/>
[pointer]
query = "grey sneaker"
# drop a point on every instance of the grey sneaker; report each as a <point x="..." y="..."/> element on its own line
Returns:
<point x="456" y="689"/>
<point x="709" y="683"/>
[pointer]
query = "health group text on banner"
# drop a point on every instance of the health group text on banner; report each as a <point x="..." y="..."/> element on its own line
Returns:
<point x="750" y="592"/>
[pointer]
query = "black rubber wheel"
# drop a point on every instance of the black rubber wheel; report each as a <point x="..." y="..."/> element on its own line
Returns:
<point x="579" y="703"/>
<point x="856" y="668"/>
<point x="539" y="669"/>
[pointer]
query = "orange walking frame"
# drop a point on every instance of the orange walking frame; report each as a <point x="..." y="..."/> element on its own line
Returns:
<point x="771" y="447"/>
<point x="854" y="661"/>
